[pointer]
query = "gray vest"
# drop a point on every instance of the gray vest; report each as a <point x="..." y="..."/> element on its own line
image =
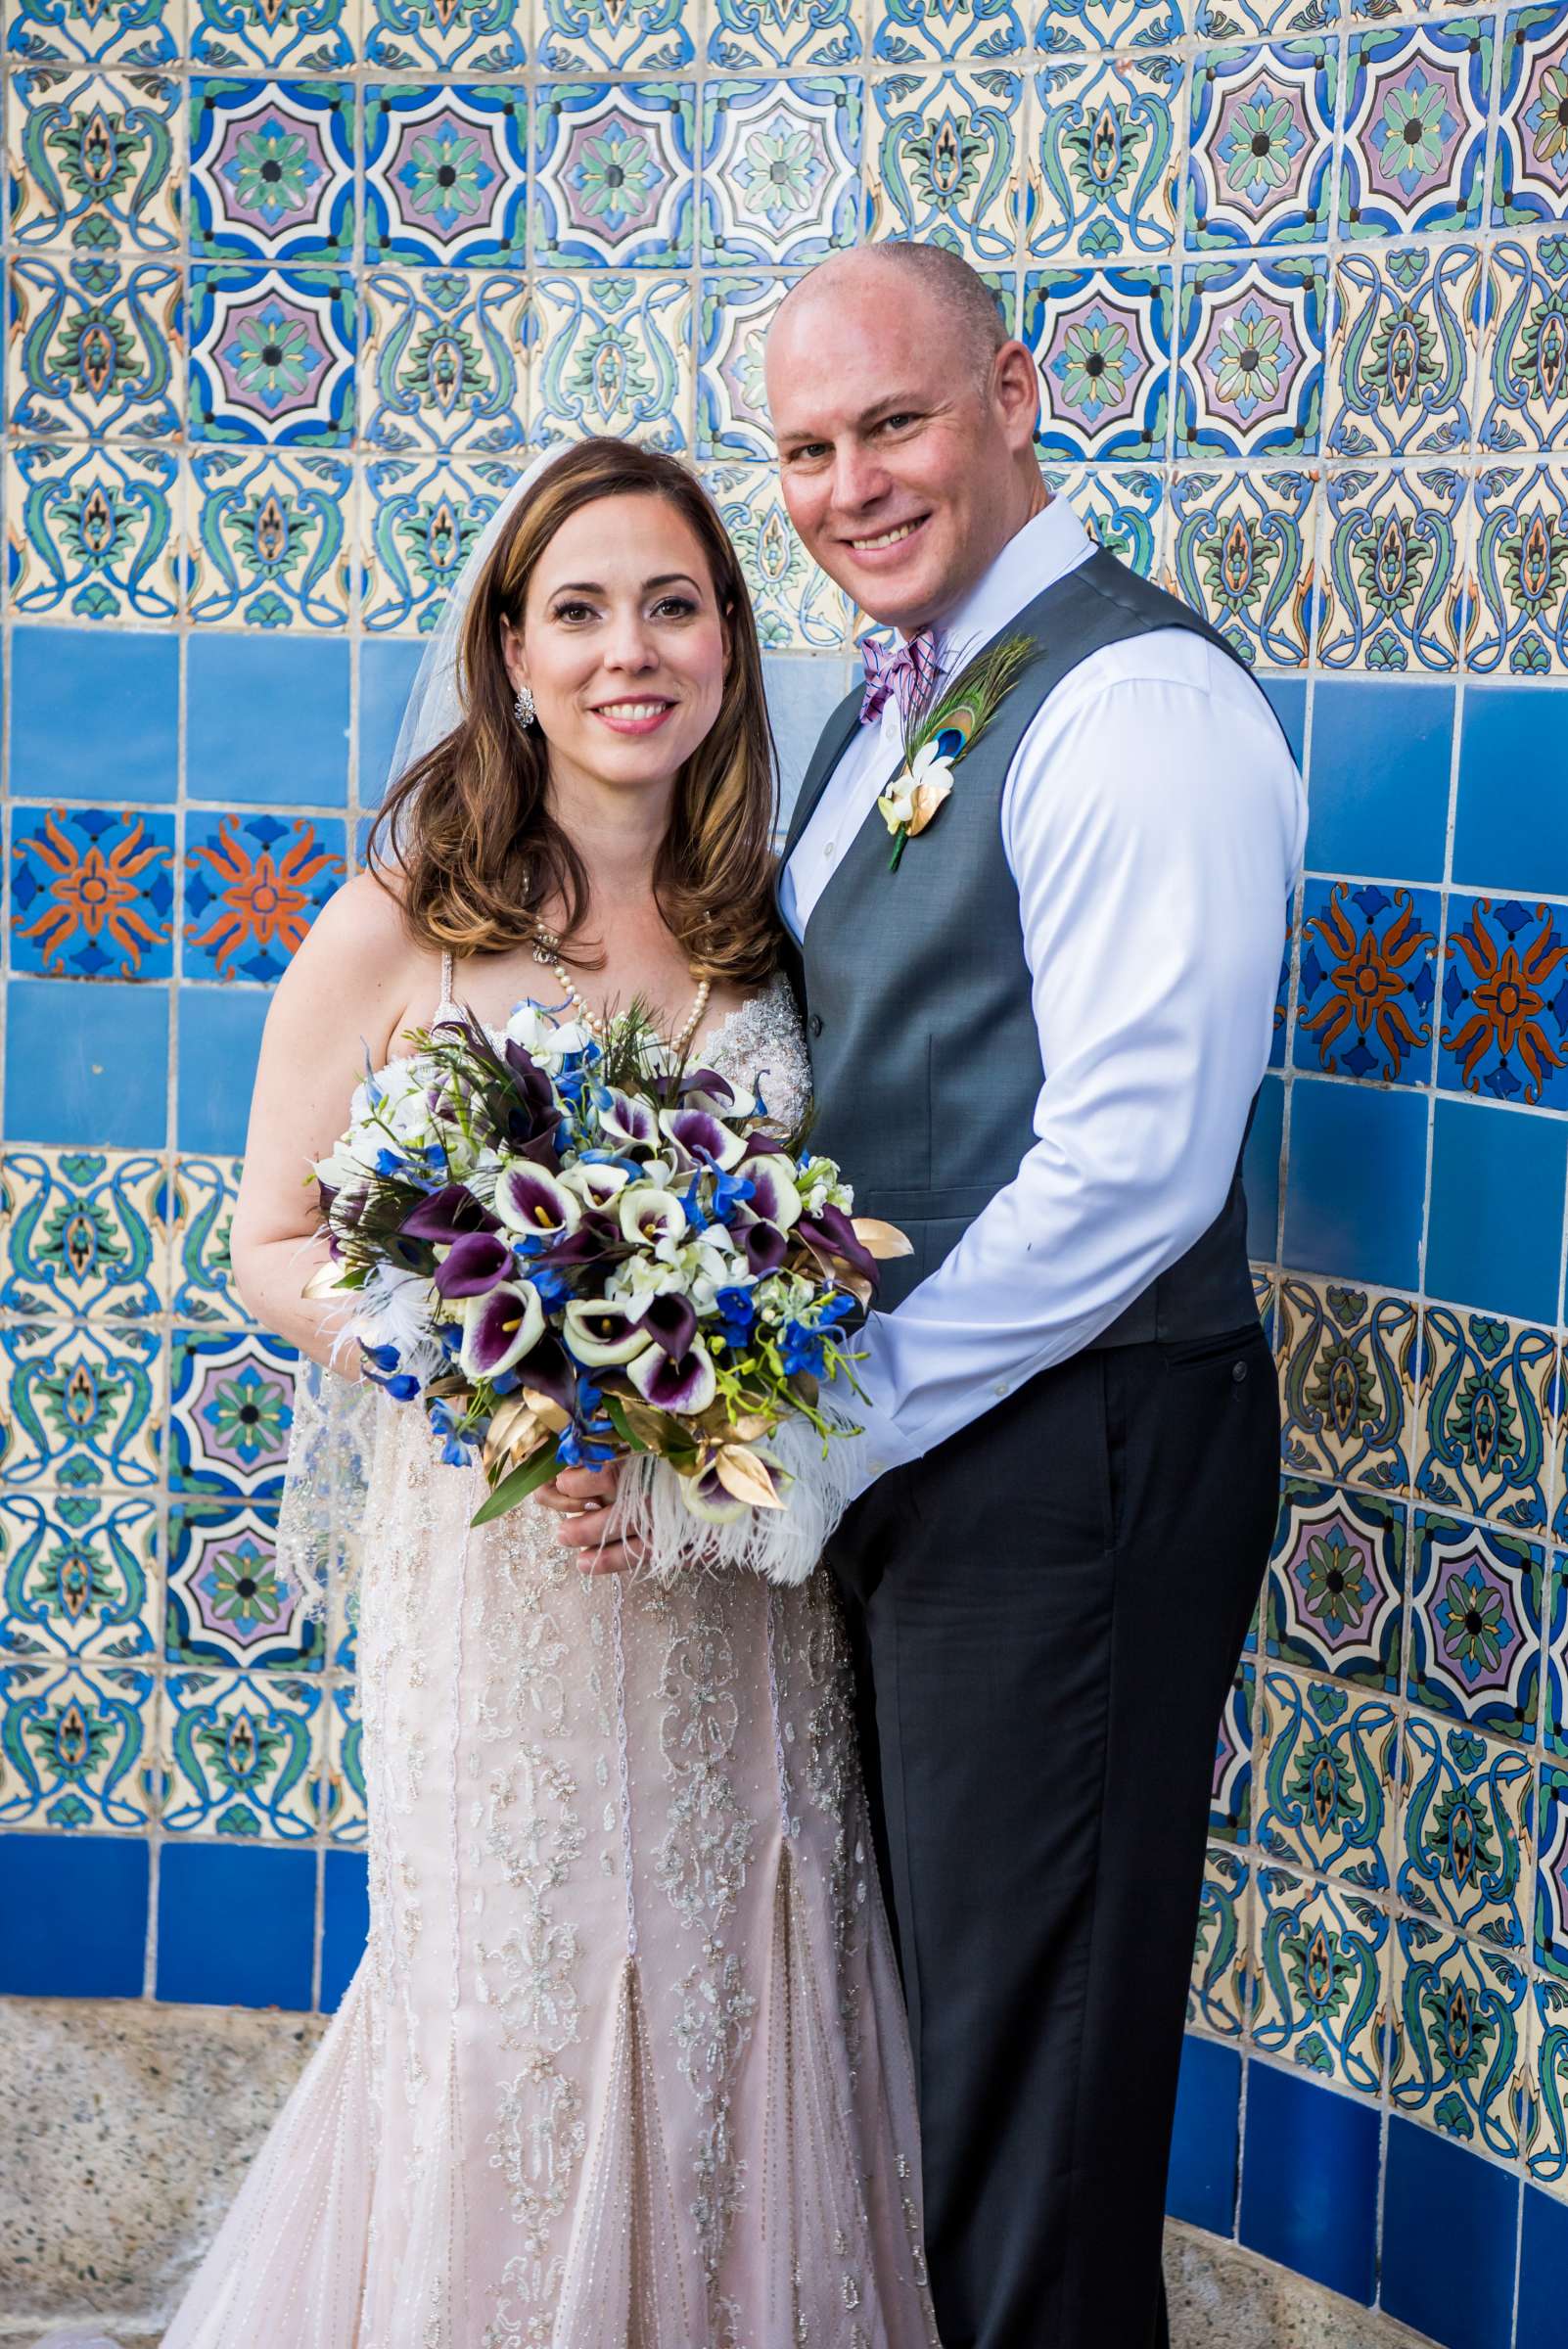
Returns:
<point x="925" y="1056"/>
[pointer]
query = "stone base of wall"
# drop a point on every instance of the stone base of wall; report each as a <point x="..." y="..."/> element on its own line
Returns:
<point x="130" y="2126"/>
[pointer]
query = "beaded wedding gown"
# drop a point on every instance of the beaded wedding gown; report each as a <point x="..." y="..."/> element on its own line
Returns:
<point x="624" y="2065"/>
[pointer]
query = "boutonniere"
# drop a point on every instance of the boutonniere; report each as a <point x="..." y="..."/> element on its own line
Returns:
<point x="937" y="736"/>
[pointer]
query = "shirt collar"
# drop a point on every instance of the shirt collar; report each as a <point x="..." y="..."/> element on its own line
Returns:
<point x="1051" y="545"/>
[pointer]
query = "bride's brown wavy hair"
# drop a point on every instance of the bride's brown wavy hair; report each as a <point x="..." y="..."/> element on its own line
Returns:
<point x="469" y="826"/>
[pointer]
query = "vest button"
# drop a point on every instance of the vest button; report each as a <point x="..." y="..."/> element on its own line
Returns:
<point x="815" y="1022"/>
<point x="1238" y="1372"/>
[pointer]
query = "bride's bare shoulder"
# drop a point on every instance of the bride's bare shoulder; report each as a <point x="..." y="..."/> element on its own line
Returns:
<point x="361" y="966"/>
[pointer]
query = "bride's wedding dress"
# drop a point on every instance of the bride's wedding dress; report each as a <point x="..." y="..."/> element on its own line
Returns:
<point x="624" y="2065"/>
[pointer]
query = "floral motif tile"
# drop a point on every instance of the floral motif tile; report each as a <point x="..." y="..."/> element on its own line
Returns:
<point x="1519" y="604"/>
<point x="199" y="1216"/>
<point x="231" y="1405"/>
<point x="97" y="345"/>
<point x="1416" y="127"/>
<point x="1101" y="339"/>
<point x="1231" y="1795"/>
<point x="1505" y="1001"/>
<point x="272" y="169"/>
<point x="95" y="161"/>
<point x="481" y="36"/>
<point x="231" y="1601"/>
<point x="270" y="538"/>
<point x="1104" y="158"/>
<point x="1457" y="2026"/>
<point x="924" y="32"/>
<point x="1489" y="1416"/>
<point x="446" y="173"/>
<point x="1547" y="2069"/>
<point x="1336" y="1582"/>
<point x="84" y="1405"/>
<point x="92" y="533"/>
<point x="1476" y="1624"/>
<point x="613" y="36"/>
<point x="254" y="884"/>
<point x="341" y="1801"/>
<point x="422" y="515"/>
<point x="731" y="398"/>
<point x="83" y="1232"/>
<point x="1368" y="980"/>
<point x="1218" y="1997"/>
<point x="92" y="893"/>
<point x="942" y="160"/>
<point x="1530" y="172"/>
<point x="1326" y="1767"/>
<point x="72" y="1744"/>
<point x="272" y="355"/>
<point x="1523" y="396"/>
<point x="1322" y="1969"/>
<point x="241" y="1754"/>
<point x="1466" y="1840"/>
<point x="80" y="1575"/>
<point x="780" y="171"/>
<point x="444" y="362"/>
<point x="796" y="604"/>
<point x="1394" y="575"/>
<point x="1230" y="19"/>
<point x="314" y="36"/>
<point x="140" y="32"/>
<point x="1243" y="557"/>
<point x="613" y="176"/>
<point x="1404" y="338"/>
<point x="1122" y="507"/>
<point x="614" y="355"/>
<point x="1105" y="23"/>
<point x="1347" y="1365"/>
<point x="1262" y="144"/>
<point x="746" y="36"/>
<point x="1251" y="379"/>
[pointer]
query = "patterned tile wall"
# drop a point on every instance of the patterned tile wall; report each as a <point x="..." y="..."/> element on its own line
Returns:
<point x="292" y="289"/>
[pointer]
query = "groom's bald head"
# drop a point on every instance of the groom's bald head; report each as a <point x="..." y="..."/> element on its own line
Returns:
<point x="905" y="416"/>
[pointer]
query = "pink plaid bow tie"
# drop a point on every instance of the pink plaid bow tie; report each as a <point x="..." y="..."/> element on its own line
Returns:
<point x="905" y="670"/>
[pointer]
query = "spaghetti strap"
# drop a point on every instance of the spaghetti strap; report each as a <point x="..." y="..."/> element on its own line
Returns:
<point x="446" y="1003"/>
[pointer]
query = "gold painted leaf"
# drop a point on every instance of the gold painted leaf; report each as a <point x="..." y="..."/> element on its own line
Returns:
<point x="747" y="1475"/>
<point x="884" y="1240"/>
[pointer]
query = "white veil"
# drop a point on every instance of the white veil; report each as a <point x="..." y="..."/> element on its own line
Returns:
<point x="332" y="1437"/>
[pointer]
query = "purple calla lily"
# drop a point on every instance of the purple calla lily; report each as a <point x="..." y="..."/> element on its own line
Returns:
<point x="766" y="1246"/>
<point x="701" y="1133"/>
<point x="684" y="1384"/>
<point x="773" y="1192"/>
<point x="530" y="1200"/>
<point x="551" y="1371"/>
<point x="499" y="1328"/>
<point x="624" y="1120"/>
<point x="830" y="1233"/>
<point x="473" y="1264"/>
<point x="704" y="1088"/>
<point x="447" y="1214"/>
<point x="671" y="1321"/>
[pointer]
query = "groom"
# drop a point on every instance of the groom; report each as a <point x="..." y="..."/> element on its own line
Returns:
<point x="1036" y="1044"/>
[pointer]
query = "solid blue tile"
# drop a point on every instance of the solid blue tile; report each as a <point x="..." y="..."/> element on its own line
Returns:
<point x="1259" y="1169"/>
<point x="220" y="1036"/>
<point x="1510" y="832"/>
<point x="1287" y="698"/>
<point x="266" y="717"/>
<point x="1308" y="2182"/>
<point x="73" y="1916"/>
<point x="1354" y="1182"/>
<point x="94" y="710"/>
<point x="1378" y="790"/>
<point x="803" y="692"/>
<point x="87" y="1065"/>
<point x="1498" y="1181"/>
<point x="234" y="1925"/>
<point x="388" y="667"/>
<point x="1543" y="2321"/>
<point x="1437" y="2197"/>
<point x="1202" y="2184"/>
<point x="345" y="1923"/>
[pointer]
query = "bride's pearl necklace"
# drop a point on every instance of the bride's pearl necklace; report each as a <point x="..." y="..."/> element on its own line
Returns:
<point x="547" y="951"/>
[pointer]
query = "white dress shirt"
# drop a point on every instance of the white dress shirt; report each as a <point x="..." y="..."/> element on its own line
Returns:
<point x="1154" y="822"/>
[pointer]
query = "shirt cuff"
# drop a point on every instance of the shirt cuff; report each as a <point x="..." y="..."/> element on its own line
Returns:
<point x="880" y="1444"/>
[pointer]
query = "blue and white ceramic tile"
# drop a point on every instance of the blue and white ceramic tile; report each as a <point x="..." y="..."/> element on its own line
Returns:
<point x="796" y="604"/>
<point x="272" y="169"/>
<point x="97" y="345"/>
<point x="1122" y="507"/>
<point x="424" y="516"/>
<point x="780" y="171"/>
<point x="731" y="395"/>
<point x="231" y="1407"/>
<point x="420" y="35"/>
<point x="1520" y="594"/>
<point x="613" y="355"/>
<point x="1231" y="1806"/>
<point x="1335" y="1598"/>
<point x="1522" y="398"/>
<point x="1546" y="2071"/>
<point x="1326" y="1779"/>
<point x="272" y="356"/>
<point x="1403" y="342"/>
<point x="1243" y="557"/>
<point x="614" y="176"/>
<point x="312" y="36"/>
<point x="131" y="32"/>
<point x="92" y="893"/>
<point x="1367" y="981"/>
<point x="446" y="173"/>
<point x="443" y="361"/>
<point x="270" y="539"/>
<point x="1505" y="1030"/>
<point x="1323" y="1977"/>
<point x="761" y="36"/>
<point x="96" y="161"/>
<point x="923" y="33"/>
<point x="341" y="1800"/>
<point x="254" y="883"/>
<point x="1414" y="112"/>
<point x="1457" y="2022"/>
<point x="1252" y="375"/>
<point x="85" y="1234"/>
<point x="1476" y="1614"/>
<point x="1466" y="1832"/>
<point x="102" y="526"/>
<point x="613" y="36"/>
<point x="241" y="1754"/>
<point x="1261" y="141"/>
<point x="1102" y="341"/>
<point x="1489" y="1416"/>
<point x="1104" y="157"/>
<point x="79" y="1574"/>
<point x="1530" y="174"/>
<point x="1347" y="1369"/>
<point x="199" y="1216"/>
<point x="1218" y="1997"/>
<point x="1393" y="593"/>
<point x="231" y="1602"/>
<point x="84" y="1405"/>
<point x="942" y="160"/>
<point x="76" y="1740"/>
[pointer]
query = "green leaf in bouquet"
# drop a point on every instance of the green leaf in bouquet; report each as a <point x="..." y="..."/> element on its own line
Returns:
<point x="621" y="1419"/>
<point x="518" y="1486"/>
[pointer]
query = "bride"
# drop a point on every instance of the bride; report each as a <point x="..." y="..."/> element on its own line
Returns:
<point x="624" y="2065"/>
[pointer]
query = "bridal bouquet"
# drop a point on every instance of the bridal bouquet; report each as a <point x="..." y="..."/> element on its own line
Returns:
<point x="569" y="1249"/>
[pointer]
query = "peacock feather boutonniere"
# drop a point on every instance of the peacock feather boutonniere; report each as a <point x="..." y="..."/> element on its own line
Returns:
<point x="937" y="735"/>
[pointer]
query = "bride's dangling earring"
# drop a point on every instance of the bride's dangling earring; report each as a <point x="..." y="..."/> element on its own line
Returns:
<point x="523" y="707"/>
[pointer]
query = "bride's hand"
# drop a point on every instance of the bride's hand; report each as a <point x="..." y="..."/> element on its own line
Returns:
<point x="582" y="1501"/>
